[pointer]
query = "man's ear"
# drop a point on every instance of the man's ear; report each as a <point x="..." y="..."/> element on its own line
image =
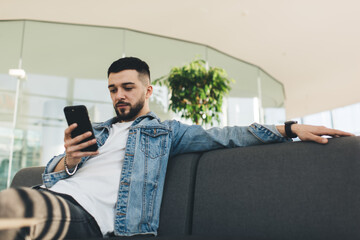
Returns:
<point x="149" y="91"/>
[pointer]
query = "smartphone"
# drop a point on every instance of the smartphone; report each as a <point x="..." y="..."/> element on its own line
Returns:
<point x="79" y="114"/>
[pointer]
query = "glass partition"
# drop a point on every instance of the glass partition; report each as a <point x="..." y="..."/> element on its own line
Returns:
<point x="241" y="106"/>
<point x="245" y="75"/>
<point x="11" y="33"/>
<point x="322" y="118"/>
<point x="70" y="50"/>
<point x="347" y="118"/>
<point x="67" y="64"/>
<point x="10" y="44"/>
<point x="272" y="91"/>
<point x="10" y="52"/>
<point x="272" y="99"/>
<point x="161" y="54"/>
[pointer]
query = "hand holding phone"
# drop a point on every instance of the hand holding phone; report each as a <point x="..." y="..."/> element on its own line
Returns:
<point x="79" y="115"/>
<point x="79" y="140"/>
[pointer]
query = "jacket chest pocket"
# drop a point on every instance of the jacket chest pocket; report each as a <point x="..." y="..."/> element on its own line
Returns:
<point x="154" y="142"/>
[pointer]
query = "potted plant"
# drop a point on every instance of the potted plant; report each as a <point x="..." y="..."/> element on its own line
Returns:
<point x="196" y="91"/>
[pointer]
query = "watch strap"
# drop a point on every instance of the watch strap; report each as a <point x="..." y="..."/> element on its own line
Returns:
<point x="288" y="131"/>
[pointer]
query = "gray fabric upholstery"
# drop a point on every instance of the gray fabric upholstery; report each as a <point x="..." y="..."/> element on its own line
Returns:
<point x="297" y="190"/>
<point x="176" y="207"/>
<point x="281" y="191"/>
<point x="27" y="177"/>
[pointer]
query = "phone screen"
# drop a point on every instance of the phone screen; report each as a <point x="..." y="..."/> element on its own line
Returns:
<point x="79" y="114"/>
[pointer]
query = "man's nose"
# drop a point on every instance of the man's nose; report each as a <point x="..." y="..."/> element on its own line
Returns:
<point x="120" y="95"/>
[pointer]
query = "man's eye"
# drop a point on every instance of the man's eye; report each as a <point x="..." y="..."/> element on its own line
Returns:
<point x="128" y="89"/>
<point x="113" y="90"/>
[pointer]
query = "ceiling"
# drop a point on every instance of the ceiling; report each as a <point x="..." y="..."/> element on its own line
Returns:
<point x="310" y="46"/>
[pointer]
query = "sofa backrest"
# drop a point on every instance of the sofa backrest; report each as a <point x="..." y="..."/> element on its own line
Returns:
<point x="177" y="204"/>
<point x="299" y="190"/>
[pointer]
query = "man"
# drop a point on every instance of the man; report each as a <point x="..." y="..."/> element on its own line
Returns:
<point x="117" y="190"/>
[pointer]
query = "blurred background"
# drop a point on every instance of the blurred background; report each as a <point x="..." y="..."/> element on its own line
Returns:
<point x="289" y="60"/>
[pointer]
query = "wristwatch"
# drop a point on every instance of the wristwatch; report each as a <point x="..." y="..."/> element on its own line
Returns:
<point x="288" y="131"/>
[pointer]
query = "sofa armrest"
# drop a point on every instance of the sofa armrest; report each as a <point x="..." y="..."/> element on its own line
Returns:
<point x="28" y="177"/>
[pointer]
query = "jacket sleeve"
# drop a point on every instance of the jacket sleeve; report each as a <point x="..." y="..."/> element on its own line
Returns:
<point x="193" y="138"/>
<point x="49" y="177"/>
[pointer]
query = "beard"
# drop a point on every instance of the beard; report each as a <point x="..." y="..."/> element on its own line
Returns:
<point x="133" y="112"/>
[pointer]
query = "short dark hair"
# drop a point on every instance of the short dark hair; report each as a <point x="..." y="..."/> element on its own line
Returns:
<point x="129" y="63"/>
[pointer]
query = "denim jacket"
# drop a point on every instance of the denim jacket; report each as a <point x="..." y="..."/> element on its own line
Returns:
<point x="149" y="146"/>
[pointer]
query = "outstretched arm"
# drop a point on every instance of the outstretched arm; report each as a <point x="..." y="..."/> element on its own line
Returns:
<point x="313" y="133"/>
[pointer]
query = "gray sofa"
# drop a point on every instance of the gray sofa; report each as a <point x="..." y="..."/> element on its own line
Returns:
<point x="300" y="190"/>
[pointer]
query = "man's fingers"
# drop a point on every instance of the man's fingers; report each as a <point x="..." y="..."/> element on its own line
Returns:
<point x="323" y="140"/>
<point x="81" y="146"/>
<point x="82" y="137"/>
<point x="341" y="133"/>
<point x="72" y="146"/>
<point x="314" y="133"/>
<point x="74" y="152"/>
<point x="83" y="154"/>
<point x="312" y="137"/>
<point x="333" y="132"/>
<point x="319" y="139"/>
<point x="69" y="130"/>
<point x="76" y="140"/>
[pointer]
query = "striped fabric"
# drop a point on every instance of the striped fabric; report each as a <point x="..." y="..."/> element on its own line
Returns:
<point x="58" y="216"/>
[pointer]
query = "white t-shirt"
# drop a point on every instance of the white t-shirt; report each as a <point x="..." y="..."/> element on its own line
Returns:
<point x="95" y="186"/>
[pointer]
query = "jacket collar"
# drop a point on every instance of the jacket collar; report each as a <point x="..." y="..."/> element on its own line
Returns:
<point x="113" y="120"/>
<point x="149" y="115"/>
